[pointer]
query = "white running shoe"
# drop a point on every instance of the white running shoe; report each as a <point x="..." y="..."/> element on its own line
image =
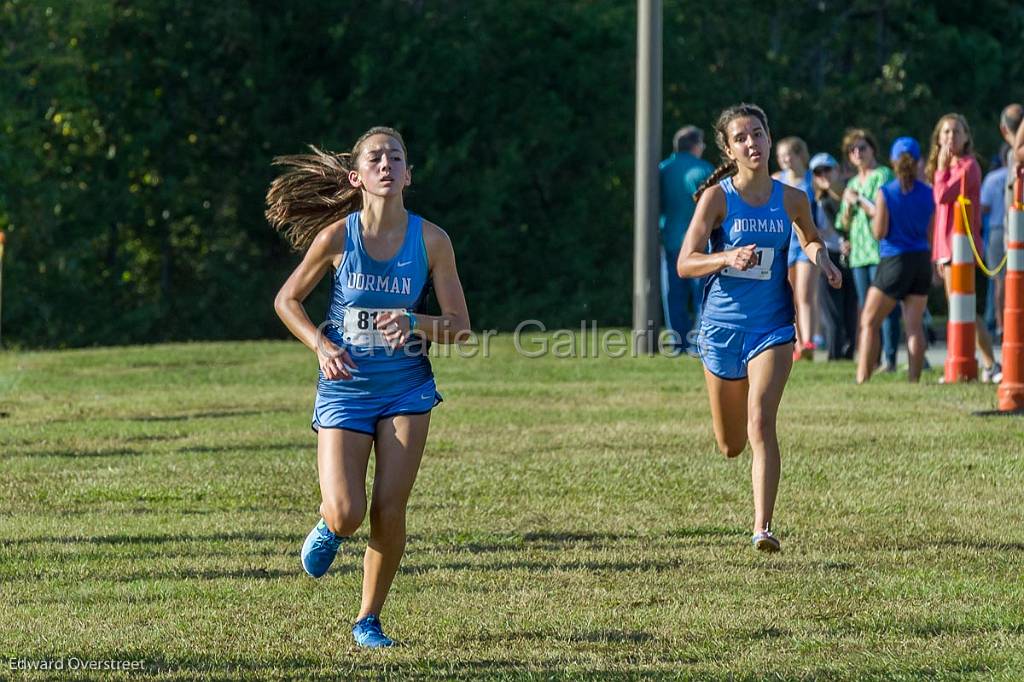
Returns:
<point x="992" y="375"/>
<point x="766" y="542"/>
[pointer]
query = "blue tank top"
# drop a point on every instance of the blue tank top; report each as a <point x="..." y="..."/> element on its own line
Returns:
<point x="909" y="215"/>
<point x="758" y="299"/>
<point x="363" y="287"/>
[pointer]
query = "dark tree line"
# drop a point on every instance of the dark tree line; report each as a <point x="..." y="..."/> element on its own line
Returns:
<point x="137" y="136"/>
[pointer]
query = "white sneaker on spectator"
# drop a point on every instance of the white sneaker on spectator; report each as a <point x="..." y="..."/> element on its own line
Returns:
<point x="992" y="375"/>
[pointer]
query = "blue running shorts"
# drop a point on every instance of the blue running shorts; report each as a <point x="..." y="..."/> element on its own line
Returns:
<point x="726" y="352"/>
<point x="796" y="252"/>
<point x="362" y="412"/>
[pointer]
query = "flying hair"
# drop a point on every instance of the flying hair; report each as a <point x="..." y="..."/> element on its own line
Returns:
<point x="314" y="190"/>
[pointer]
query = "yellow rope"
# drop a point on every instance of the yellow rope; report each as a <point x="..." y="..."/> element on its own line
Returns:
<point x="964" y="203"/>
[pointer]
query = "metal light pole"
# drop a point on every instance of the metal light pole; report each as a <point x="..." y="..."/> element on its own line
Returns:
<point x="646" y="273"/>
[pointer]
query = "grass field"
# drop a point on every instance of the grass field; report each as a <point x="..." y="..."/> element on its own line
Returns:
<point x="572" y="520"/>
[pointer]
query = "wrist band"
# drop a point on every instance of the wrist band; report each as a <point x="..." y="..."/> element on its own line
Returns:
<point x="412" y="319"/>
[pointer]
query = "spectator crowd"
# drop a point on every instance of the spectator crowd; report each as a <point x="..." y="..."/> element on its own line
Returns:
<point x="886" y="216"/>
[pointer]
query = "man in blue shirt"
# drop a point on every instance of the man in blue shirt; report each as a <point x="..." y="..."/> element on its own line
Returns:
<point x="680" y="174"/>
<point x="993" y="212"/>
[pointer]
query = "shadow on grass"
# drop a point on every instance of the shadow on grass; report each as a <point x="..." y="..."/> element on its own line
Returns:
<point x="562" y="539"/>
<point x="955" y="670"/>
<point x="539" y="566"/>
<point x="128" y="539"/>
<point x="78" y="453"/>
<point x="81" y="453"/>
<point x="219" y="574"/>
<point x="157" y="418"/>
<point x="164" y="512"/>
<point x="150" y="437"/>
<point x="593" y="637"/>
<point x="959" y="543"/>
<point x="87" y="557"/>
<point x="210" y="414"/>
<point x="764" y="633"/>
<point x="309" y="444"/>
<point x="565" y="537"/>
<point x="941" y="629"/>
<point x="183" y="364"/>
<point x="181" y="574"/>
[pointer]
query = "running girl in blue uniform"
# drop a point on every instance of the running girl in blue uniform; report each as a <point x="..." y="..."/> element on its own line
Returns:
<point x="746" y="335"/>
<point x="376" y="388"/>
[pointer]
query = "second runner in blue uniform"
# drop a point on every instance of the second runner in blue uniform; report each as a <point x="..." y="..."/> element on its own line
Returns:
<point x="746" y="337"/>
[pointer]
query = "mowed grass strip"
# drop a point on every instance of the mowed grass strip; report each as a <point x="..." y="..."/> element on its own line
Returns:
<point x="572" y="519"/>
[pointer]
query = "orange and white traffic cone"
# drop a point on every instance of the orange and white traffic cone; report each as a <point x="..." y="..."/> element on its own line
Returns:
<point x="1011" y="388"/>
<point x="961" y="364"/>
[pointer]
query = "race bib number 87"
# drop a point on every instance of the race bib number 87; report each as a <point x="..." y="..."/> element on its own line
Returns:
<point x="761" y="269"/>
<point x="360" y="326"/>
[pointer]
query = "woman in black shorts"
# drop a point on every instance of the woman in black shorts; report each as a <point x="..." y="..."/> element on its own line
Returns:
<point x="903" y="223"/>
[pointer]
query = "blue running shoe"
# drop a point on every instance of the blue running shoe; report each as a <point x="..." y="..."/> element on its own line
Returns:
<point x="368" y="633"/>
<point x="319" y="549"/>
<point x="766" y="542"/>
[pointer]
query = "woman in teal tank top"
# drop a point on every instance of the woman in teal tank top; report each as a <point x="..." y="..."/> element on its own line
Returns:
<point x="375" y="388"/>
<point x="746" y="337"/>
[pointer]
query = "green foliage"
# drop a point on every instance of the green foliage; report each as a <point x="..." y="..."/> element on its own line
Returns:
<point x="137" y="137"/>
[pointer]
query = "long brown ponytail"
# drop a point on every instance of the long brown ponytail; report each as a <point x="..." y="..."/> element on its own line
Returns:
<point x="906" y="170"/>
<point x="724" y="170"/>
<point x="314" y="191"/>
<point x="728" y="166"/>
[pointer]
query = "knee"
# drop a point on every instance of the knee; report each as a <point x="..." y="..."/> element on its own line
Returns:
<point x="760" y="427"/>
<point x="342" y="517"/>
<point x="387" y="520"/>
<point x="731" y="448"/>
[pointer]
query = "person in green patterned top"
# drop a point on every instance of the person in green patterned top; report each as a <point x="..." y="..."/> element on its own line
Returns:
<point x="856" y="211"/>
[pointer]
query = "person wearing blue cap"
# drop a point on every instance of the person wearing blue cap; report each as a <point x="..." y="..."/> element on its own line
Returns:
<point x="903" y="223"/>
<point x="838" y="307"/>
